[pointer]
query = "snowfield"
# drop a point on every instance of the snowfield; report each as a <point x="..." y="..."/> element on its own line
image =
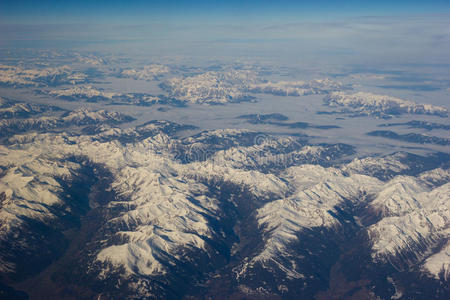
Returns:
<point x="362" y="103"/>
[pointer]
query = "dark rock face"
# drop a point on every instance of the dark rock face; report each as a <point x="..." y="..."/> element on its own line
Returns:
<point x="419" y="124"/>
<point x="411" y="137"/>
<point x="278" y="119"/>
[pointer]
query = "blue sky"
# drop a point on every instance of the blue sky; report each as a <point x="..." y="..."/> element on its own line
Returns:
<point x="317" y="32"/>
<point x="201" y="11"/>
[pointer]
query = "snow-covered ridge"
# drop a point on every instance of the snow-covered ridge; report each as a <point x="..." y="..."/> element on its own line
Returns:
<point x="296" y="88"/>
<point x="275" y="154"/>
<point x="14" y="109"/>
<point x="84" y="116"/>
<point x="157" y="223"/>
<point x="363" y="103"/>
<point x="29" y="190"/>
<point x="381" y="167"/>
<point x="237" y="85"/>
<point x="80" y="117"/>
<point x="414" y="214"/>
<point x="86" y="91"/>
<point x="416" y="218"/>
<point x="165" y="208"/>
<point x="438" y="263"/>
<point x="150" y="72"/>
<point x="104" y="132"/>
<point x="316" y="191"/>
<point x="90" y="59"/>
<point x="160" y="221"/>
<point x="212" y="87"/>
<point x="17" y="76"/>
<point x="89" y="93"/>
